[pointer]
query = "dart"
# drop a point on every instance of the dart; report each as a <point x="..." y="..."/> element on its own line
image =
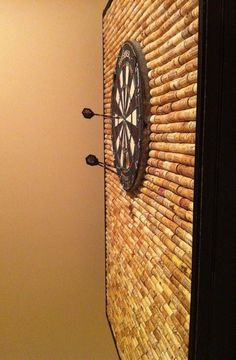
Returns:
<point x="92" y="160"/>
<point x="88" y="114"/>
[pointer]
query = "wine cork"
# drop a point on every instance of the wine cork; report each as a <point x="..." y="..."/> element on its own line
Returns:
<point x="149" y="231"/>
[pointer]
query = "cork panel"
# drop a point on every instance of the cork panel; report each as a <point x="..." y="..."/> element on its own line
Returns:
<point x="149" y="232"/>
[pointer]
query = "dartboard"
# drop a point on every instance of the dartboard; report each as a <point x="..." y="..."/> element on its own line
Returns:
<point x="130" y="111"/>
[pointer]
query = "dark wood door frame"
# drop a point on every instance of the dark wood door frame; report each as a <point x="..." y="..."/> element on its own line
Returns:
<point x="212" y="331"/>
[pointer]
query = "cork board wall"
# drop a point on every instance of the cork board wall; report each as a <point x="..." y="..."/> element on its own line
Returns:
<point x="149" y="231"/>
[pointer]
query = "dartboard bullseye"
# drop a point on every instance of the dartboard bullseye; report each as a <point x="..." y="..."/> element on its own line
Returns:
<point x="130" y="109"/>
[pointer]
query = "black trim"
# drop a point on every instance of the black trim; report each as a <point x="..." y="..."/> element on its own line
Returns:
<point x="113" y="337"/>
<point x="107" y="7"/>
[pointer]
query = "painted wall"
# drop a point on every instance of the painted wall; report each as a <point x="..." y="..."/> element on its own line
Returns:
<point x="51" y="220"/>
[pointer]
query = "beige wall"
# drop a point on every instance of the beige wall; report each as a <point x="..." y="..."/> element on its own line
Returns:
<point x="51" y="204"/>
